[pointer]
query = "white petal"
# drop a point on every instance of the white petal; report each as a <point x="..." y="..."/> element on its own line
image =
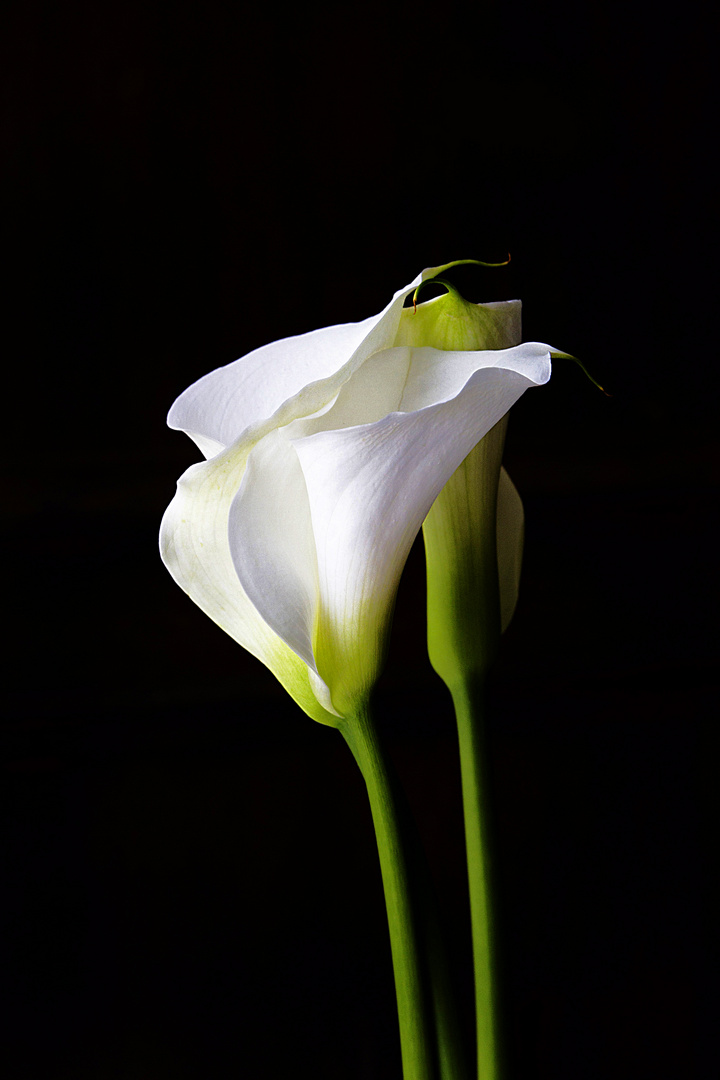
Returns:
<point x="194" y="547"/>
<point x="221" y="405"/>
<point x="375" y="389"/>
<point x="370" y="489"/>
<point x="272" y="543"/>
<point x="404" y="379"/>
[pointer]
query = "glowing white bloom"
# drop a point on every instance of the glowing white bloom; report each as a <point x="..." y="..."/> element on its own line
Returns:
<point x="325" y="453"/>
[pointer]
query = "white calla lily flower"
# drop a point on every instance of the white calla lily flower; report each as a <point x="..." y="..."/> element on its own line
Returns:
<point x="325" y="453"/>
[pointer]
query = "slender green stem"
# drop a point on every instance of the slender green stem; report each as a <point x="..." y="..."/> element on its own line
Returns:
<point x="468" y="701"/>
<point x="405" y="909"/>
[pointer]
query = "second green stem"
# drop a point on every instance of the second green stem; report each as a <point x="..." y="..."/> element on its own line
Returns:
<point x="468" y="701"/>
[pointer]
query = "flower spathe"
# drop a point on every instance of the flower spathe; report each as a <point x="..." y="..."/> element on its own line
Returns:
<point x="325" y="453"/>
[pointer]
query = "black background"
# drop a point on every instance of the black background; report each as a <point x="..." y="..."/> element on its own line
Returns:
<point x="190" y="887"/>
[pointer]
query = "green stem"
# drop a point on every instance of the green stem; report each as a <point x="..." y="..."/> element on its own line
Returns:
<point x="468" y="701"/>
<point x="414" y="954"/>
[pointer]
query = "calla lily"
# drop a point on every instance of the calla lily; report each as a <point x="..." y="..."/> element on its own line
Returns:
<point x="325" y="453"/>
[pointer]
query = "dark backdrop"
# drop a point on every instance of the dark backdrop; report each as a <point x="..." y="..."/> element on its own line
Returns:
<point x="190" y="887"/>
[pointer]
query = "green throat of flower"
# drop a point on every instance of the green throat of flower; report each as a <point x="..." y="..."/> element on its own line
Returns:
<point x="451" y="323"/>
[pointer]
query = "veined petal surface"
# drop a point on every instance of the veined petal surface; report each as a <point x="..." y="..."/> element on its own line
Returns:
<point x="222" y="404"/>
